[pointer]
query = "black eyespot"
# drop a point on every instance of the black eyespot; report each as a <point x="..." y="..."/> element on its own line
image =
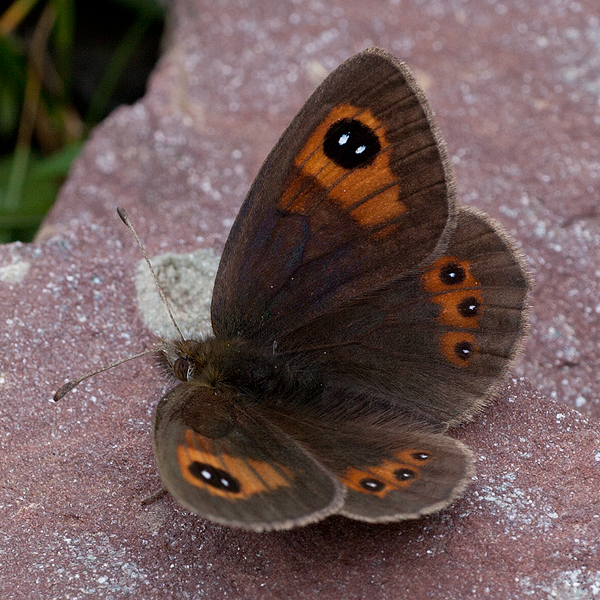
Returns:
<point x="372" y="485"/>
<point x="421" y="455"/>
<point x="217" y="478"/>
<point x="464" y="350"/>
<point x="351" y="144"/>
<point x="181" y="368"/>
<point x="452" y="274"/>
<point x="469" y="307"/>
<point x="404" y="474"/>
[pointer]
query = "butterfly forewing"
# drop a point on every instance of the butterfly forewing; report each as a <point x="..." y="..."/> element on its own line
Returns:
<point x="226" y="463"/>
<point x="357" y="191"/>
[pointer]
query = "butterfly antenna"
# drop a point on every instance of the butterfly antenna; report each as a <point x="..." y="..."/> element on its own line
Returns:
<point x="65" y="389"/>
<point x="125" y="218"/>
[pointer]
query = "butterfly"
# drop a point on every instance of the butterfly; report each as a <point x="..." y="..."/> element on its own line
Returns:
<point x="358" y="313"/>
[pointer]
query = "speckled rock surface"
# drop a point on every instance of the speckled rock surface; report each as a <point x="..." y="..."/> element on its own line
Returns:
<point x="515" y="86"/>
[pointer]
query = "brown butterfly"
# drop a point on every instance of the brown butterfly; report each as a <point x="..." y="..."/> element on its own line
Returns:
<point x="357" y="314"/>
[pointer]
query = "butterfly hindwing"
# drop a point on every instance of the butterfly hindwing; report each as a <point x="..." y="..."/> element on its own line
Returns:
<point x="433" y="344"/>
<point x="391" y="467"/>
<point x="357" y="191"/>
<point x="227" y="464"/>
<point x="422" y="474"/>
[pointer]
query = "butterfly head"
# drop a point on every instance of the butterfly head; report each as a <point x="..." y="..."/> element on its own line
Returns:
<point x="183" y="359"/>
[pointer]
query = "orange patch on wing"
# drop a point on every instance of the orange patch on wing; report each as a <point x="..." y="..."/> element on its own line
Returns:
<point x="453" y="341"/>
<point x="433" y="281"/>
<point x="252" y="476"/>
<point x="397" y="474"/>
<point x="373" y="188"/>
<point x="451" y="303"/>
<point x="456" y="290"/>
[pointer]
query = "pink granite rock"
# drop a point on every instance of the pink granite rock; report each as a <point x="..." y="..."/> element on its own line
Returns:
<point x="515" y="88"/>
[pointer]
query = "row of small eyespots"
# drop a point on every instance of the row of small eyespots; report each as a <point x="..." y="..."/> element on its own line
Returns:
<point x="390" y="475"/>
<point x="452" y="283"/>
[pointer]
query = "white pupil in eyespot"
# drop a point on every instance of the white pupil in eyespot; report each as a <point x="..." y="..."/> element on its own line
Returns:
<point x="207" y="475"/>
<point x="343" y="139"/>
<point x="360" y="149"/>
